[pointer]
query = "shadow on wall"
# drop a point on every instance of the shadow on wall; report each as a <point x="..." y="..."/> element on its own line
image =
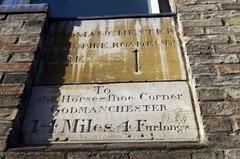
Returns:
<point x="40" y="118"/>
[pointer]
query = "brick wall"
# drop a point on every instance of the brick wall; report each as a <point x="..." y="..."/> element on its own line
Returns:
<point x="20" y="42"/>
<point x="210" y="31"/>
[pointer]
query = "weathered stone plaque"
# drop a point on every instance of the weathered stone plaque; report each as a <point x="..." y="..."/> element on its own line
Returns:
<point x="120" y="50"/>
<point x="107" y="113"/>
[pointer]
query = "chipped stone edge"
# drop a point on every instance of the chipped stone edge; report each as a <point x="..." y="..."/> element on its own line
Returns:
<point x="29" y="8"/>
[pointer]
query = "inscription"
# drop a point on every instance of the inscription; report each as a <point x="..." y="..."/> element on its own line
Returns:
<point x="120" y="50"/>
<point x="116" y="45"/>
<point x="123" y="32"/>
<point x="111" y="112"/>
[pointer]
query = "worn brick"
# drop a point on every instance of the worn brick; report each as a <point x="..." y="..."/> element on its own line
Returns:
<point x="3" y="16"/>
<point x="34" y="30"/>
<point x="233" y="154"/>
<point x="11" y="89"/>
<point x="100" y="155"/>
<point x="9" y="100"/>
<point x="17" y="155"/>
<point x="227" y="49"/>
<point x="237" y="38"/>
<point x="208" y="155"/>
<point x="190" y="31"/>
<point x="189" y="16"/>
<point x="214" y="59"/>
<point x="215" y="1"/>
<point x="8" y="39"/>
<point x="113" y="155"/>
<point x="3" y="144"/>
<point x="231" y="6"/>
<point x="235" y="122"/>
<point x="219" y="108"/>
<point x="234" y="20"/>
<point x="35" y="155"/>
<point x="217" y="30"/>
<point x="233" y="93"/>
<point x="4" y="57"/>
<point x="15" y="23"/>
<point x="13" y="31"/>
<point x="27" y="16"/>
<point x="18" y="48"/>
<point x="207" y="39"/>
<point x="209" y="94"/>
<point x="36" y="16"/>
<point x="160" y="155"/>
<point x="206" y="80"/>
<point x="8" y="114"/>
<point x="20" y="31"/>
<point x="82" y="155"/>
<point x="15" y="67"/>
<point x="203" y="70"/>
<point x="185" y="2"/>
<point x="28" y="39"/>
<point x="202" y="23"/>
<point x="223" y="140"/>
<point x="214" y="39"/>
<point x="30" y="23"/>
<point x="232" y="69"/>
<point x="11" y="78"/>
<point x="218" y="15"/>
<point x="233" y="29"/>
<point x="22" y="57"/>
<point x="198" y="8"/>
<point x="213" y="125"/>
<point x="5" y="128"/>
<point x="176" y="155"/>
<point x="196" y="47"/>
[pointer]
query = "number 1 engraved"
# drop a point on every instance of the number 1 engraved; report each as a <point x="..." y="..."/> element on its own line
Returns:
<point x="137" y="62"/>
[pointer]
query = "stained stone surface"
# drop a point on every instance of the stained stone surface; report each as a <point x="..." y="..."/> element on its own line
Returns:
<point x="120" y="50"/>
<point x="107" y="113"/>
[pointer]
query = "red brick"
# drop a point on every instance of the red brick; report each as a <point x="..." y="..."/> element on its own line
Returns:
<point x="18" y="48"/>
<point x="15" y="67"/>
<point x="9" y="89"/>
<point x="228" y="69"/>
<point x="189" y="31"/>
<point x="11" y="39"/>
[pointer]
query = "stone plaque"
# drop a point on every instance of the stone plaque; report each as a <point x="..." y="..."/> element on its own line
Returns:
<point x="108" y="113"/>
<point x="120" y="50"/>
